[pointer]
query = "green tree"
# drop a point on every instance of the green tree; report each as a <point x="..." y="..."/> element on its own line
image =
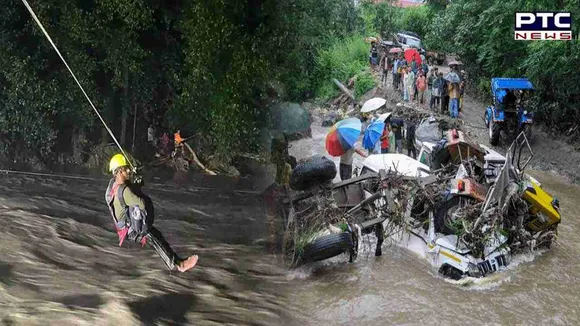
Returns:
<point x="481" y="33"/>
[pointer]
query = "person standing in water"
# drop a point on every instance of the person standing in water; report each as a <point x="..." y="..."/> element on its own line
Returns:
<point x="132" y="212"/>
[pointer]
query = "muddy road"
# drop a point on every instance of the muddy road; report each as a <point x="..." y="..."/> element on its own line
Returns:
<point x="399" y="288"/>
<point x="60" y="262"/>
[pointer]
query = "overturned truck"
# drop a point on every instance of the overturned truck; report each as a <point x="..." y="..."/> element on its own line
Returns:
<point x="467" y="211"/>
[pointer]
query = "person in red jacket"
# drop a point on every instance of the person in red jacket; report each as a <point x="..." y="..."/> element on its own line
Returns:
<point x="385" y="139"/>
<point x="421" y="88"/>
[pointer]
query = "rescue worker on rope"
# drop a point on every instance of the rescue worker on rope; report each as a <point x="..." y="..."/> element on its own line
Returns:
<point x="133" y="215"/>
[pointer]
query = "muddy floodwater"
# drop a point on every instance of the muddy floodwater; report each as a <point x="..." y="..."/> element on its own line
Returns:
<point x="399" y="288"/>
<point x="60" y="263"/>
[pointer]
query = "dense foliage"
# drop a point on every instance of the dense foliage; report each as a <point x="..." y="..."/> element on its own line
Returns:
<point x="205" y="67"/>
<point x="344" y="59"/>
<point x="481" y="34"/>
<point x="211" y="67"/>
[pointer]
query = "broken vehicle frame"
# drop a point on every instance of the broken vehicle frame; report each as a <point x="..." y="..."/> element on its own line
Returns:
<point x="537" y="224"/>
<point x="349" y="196"/>
<point x="445" y="252"/>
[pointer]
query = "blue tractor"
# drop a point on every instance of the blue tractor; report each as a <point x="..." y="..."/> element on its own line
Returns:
<point x="507" y="112"/>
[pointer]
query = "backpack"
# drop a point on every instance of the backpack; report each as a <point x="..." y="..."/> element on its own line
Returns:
<point x="136" y="218"/>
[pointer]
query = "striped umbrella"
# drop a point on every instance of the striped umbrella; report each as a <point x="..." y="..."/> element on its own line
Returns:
<point x="342" y="136"/>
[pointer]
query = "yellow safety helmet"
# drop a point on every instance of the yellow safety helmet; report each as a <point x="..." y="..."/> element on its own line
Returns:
<point x="117" y="161"/>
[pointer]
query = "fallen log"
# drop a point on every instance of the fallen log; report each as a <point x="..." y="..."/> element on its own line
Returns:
<point x="343" y="89"/>
<point x="197" y="161"/>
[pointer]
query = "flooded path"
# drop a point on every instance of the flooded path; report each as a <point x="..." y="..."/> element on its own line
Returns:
<point x="399" y="288"/>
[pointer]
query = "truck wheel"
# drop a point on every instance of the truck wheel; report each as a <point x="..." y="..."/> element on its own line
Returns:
<point x="451" y="272"/>
<point x="328" y="246"/>
<point x="444" y="216"/>
<point x="315" y="171"/>
<point x="494" y="132"/>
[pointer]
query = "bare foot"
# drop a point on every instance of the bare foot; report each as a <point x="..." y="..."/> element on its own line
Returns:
<point x="187" y="264"/>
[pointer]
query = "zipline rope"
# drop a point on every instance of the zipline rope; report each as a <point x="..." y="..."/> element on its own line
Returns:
<point x="159" y="185"/>
<point x="75" y="78"/>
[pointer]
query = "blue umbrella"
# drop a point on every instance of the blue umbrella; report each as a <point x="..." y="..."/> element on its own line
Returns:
<point x="373" y="133"/>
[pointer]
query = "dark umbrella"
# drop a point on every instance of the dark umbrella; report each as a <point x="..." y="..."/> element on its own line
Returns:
<point x="290" y="118"/>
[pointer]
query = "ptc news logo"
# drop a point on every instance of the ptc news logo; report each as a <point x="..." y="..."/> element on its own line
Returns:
<point x="549" y="26"/>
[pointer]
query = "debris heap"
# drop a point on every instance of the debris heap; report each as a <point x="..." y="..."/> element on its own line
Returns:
<point x="465" y="196"/>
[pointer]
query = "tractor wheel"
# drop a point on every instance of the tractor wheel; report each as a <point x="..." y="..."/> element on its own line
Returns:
<point x="314" y="171"/>
<point x="494" y="132"/>
<point x="487" y="119"/>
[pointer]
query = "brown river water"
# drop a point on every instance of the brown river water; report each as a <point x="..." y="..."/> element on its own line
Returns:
<point x="60" y="263"/>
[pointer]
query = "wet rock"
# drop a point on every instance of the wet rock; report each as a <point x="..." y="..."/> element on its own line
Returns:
<point x="248" y="164"/>
<point x="216" y="164"/>
<point x="331" y="118"/>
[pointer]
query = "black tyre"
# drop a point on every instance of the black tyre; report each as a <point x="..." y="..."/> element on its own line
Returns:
<point x="494" y="132"/>
<point x="451" y="272"/>
<point x="313" y="172"/>
<point x="328" y="246"/>
<point x="444" y="214"/>
<point x="487" y="119"/>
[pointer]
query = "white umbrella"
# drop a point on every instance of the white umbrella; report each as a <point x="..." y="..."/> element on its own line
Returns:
<point x="373" y="104"/>
<point x="383" y="117"/>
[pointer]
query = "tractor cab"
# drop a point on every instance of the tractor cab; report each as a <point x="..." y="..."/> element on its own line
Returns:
<point x="508" y="112"/>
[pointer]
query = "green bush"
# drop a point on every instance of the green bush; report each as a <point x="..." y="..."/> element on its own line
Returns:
<point x="344" y="59"/>
<point x="364" y="83"/>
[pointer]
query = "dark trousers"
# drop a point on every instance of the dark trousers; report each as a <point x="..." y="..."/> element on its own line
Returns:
<point x="411" y="149"/>
<point x="345" y="171"/>
<point x="445" y="104"/>
<point x="155" y="239"/>
<point x="435" y="101"/>
<point x="384" y="150"/>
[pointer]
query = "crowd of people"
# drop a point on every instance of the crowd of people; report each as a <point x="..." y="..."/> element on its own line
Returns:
<point x="418" y="83"/>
